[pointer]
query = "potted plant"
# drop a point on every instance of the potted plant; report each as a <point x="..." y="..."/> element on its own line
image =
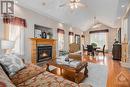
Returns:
<point x="94" y="45"/>
<point x="50" y="35"/>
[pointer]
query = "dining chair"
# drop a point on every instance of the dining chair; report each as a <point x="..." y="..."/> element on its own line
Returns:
<point x="90" y="50"/>
<point x="101" y="50"/>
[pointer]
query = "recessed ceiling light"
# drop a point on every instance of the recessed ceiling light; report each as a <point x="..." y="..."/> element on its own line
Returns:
<point x="122" y="6"/>
<point x="43" y="3"/>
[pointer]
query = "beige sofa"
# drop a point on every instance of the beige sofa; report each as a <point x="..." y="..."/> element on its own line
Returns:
<point x="35" y="76"/>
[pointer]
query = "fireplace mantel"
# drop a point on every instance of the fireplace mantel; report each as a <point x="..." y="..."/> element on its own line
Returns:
<point x="41" y="41"/>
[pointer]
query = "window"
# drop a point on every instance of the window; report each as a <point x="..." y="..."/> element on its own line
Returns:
<point x="124" y="33"/>
<point x="60" y="39"/>
<point x="77" y="39"/>
<point x="100" y="38"/>
<point x="14" y="30"/>
<point x="71" y="37"/>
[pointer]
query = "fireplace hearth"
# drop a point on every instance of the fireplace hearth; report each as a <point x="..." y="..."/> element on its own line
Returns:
<point x="44" y="53"/>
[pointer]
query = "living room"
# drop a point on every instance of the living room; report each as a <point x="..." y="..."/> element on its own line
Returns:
<point x="33" y="30"/>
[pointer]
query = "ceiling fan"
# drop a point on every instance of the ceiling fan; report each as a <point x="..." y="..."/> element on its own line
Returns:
<point x="73" y="4"/>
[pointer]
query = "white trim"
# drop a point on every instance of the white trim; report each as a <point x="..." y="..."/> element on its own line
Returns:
<point x="129" y="51"/>
<point x="125" y="64"/>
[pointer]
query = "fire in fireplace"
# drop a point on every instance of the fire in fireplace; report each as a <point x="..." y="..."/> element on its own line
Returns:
<point x="44" y="53"/>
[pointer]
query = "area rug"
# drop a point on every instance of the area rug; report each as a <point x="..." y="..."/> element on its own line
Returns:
<point x="97" y="75"/>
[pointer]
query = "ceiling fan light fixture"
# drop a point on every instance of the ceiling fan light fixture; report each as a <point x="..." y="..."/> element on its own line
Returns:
<point x="76" y="6"/>
<point x="73" y="4"/>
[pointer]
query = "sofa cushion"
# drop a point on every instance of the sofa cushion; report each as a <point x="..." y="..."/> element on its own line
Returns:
<point x="28" y="72"/>
<point x="4" y="80"/>
<point x="13" y="63"/>
<point x="75" y="56"/>
<point x="74" y="47"/>
<point x="48" y="79"/>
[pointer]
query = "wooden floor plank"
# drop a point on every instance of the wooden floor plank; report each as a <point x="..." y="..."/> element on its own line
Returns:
<point x="117" y="75"/>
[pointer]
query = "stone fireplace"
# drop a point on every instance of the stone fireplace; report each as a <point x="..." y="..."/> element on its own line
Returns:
<point x="44" y="53"/>
<point x="42" y="49"/>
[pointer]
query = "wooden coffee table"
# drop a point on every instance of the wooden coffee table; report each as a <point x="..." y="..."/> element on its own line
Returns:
<point x="71" y="73"/>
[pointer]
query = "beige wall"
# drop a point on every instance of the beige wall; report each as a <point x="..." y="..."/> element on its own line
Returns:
<point x="35" y="18"/>
<point x="111" y="35"/>
<point x="1" y="29"/>
<point x="129" y="35"/>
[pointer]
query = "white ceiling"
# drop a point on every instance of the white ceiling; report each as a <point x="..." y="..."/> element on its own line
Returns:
<point x="106" y="11"/>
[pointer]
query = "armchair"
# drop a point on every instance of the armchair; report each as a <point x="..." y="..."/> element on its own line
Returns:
<point x="74" y="51"/>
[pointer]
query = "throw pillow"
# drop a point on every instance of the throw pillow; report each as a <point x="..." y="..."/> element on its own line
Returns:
<point x="12" y="63"/>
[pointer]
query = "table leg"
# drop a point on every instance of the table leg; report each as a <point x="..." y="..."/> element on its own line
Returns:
<point x="47" y="69"/>
<point x="86" y="70"/>
<point x="61" y="71"/>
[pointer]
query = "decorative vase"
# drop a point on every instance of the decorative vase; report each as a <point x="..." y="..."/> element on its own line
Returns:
<point x="44" y="35"/>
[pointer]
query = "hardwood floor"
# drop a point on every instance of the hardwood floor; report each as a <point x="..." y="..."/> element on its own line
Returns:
<point x="117" y="75"/>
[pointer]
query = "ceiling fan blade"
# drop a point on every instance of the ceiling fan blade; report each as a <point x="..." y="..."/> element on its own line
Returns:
<point x="81" y="5"/>
<point x="62" y="5"/>
<point x="77" y="1"/>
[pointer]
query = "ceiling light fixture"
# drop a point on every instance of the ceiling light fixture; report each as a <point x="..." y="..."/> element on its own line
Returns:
<point x="73" y="4"/>
<point x="43" y="3"/>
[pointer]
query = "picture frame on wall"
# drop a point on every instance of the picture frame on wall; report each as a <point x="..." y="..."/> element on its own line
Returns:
<point x="37" y="33"/>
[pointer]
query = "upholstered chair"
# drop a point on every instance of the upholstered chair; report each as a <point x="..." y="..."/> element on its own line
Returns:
<point x="74" y="51"/>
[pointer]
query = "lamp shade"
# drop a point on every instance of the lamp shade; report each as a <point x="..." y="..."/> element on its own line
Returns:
<point x="6" y="44"/>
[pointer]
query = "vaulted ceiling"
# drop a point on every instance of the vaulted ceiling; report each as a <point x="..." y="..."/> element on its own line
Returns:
<point x="106" y="11"/>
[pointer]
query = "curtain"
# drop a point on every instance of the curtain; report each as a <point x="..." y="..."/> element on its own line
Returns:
<point x="100" y="39"/>
<point x="14" y="31"/>
<point x="71" y="37"/>
<point x="60" y="39"/>
<point x="83" y="39"/>
<point x="60" y="31"/>
<point x="99" y="31"/>
<point x="14" y="21"/>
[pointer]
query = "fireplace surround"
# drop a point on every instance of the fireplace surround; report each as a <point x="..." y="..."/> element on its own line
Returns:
<point x="41" y="42"/>
<point x="44" y="53"/>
